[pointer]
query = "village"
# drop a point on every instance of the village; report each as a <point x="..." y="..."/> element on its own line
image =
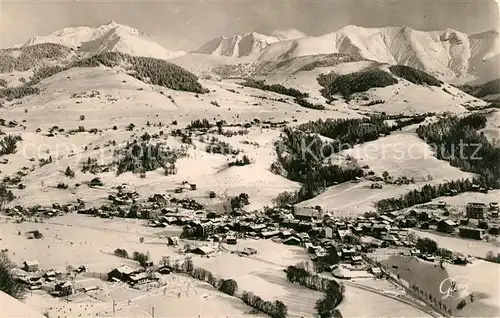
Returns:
<point x="346" y="249"/>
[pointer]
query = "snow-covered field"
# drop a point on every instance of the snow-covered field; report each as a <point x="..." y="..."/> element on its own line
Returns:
<point x="401" y="154"/>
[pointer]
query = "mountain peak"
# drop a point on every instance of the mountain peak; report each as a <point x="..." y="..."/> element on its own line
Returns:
<point x="238" y="45"/>
<point x="110" y="37"/>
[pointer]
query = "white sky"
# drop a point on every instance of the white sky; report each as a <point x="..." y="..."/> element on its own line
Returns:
<point x="187" y="24"/>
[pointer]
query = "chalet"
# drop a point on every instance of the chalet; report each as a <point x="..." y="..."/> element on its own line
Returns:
<point x="482" y="224"/>
<point x="149" y="214"/>
<point x="34" y="282"/>
<point x="386" y="218"/>
<point x="269" y="234"/>
<point x="164" y="270"/>
<point x="173" y="240"/>
<point x="343" y="233"/>
<point x="292" y="241"/>
<point x="347" y="253"/>
<point x="495" y="230"/>
<point x="446" y="226"/>
<point x="50" y="276"/>
<point x="304" y="237"/>
<point x="231" y="240"/>
<point x="494" y="206"/>
<point x="159" y="199"/>
<point x="138" y="278"/>
<point x="286" y="234"/>
<point x="424" y="225"/>
<point x="121" y="273"/>
<point x="203" y="250"/>
<point x="356" y="260"/>
<point x="328" y="232"/>
<point x="31" y="266"/>
<point x="379" y="230"/>
<point x="423" y="216"/>
<point x="376" y="271"/>
<point x="304" y="213"/>
<point x="470" y="232"/>
<point x="475" y="210"/>
<point x="63" y="289"/>
<point x="441" y="205"/>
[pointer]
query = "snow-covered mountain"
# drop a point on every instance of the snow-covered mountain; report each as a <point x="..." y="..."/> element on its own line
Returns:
<point x="448" y="53"/>
<point x="238" y="45"/>
<point x="111" y="37"/>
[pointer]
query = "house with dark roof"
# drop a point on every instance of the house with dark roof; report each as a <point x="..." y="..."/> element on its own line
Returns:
<point x="446" y="226"/>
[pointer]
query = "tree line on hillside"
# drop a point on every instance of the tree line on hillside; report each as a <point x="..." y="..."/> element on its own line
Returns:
<point x="352" y="131"/>
<point x="482" y="90"/>
<point x="457" y="140"/>
<point x="276" y="88"/>
<point x="304" y="158"/>
<point x="146" y="69"/>
<point x="414" y="75"/>
<point x="352" y="83"/>
<point x="25" y="58"/>
<point x="427" y="193"/>
<point x="300" y="97"/>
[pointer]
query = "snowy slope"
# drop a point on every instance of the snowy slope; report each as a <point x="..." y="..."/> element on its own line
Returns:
<point x="238" y="45"/>
<point x="13" y="308"/>
<point x="111" y="37"/>
<point x="448" y="54"/>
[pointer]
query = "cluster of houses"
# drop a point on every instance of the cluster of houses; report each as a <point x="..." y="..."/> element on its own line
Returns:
<point x="478" y="219"/>
<point x="55" y="282"/>
<point x="39" y="211"/>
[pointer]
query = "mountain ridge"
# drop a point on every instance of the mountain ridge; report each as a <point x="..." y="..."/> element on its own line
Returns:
<point x="447" y="53"/>
<point x="110" y="37"/>
<point x="238" y="45"/>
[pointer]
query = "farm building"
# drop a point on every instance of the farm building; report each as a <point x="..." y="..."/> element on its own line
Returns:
<point x="63" y="289"/>
<point x="231" y="240"/>
<point x="122" y="273"/>
<point x="203" y="250"/>
<point x="31" y="266"/>
<point x="470" y="232"/>
<point x="292" y="241"/>
<point x="446" y="226"/>
<point x="305" y="213"/>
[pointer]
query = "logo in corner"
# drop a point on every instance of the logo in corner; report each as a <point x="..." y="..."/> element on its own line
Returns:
<point x="454" y="284"/>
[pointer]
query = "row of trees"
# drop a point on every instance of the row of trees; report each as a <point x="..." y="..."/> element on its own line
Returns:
<point x="427" y="193"/>
<point x="414" y="75"/>
<point x="141" y="258"/>
<point x="352" y="131"/>
<point x="334" y="292"/>
<point x="277" y="88"/>
<point x="457" y="140"/>
<point x="276" y="309"/>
